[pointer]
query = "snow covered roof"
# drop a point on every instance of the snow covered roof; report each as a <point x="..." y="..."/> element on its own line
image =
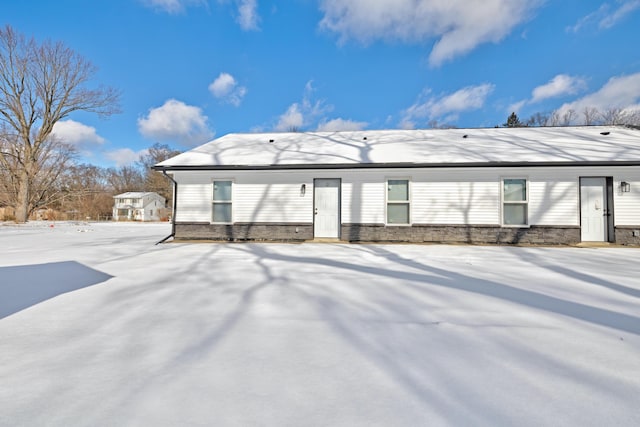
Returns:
<point x="135" y="195"/>
<point x="430" y="147"/>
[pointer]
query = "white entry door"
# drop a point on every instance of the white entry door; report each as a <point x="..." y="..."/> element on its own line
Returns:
<point x="593" y="209"/>
<point x="326" y="223"/>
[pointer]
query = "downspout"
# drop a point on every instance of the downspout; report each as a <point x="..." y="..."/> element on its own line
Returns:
<point x="175" y="206"/>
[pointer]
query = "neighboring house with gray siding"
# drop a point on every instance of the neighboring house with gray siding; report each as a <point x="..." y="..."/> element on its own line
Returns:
<point x="555" y="185"/>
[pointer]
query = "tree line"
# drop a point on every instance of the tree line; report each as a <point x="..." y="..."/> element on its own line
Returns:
<point x="80" y="191"/>
<point x="42" y="83"/>
<point x="589" y="116"/>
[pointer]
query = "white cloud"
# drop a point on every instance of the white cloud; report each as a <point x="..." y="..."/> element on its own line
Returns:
<point x="77" y="134"/>
<point x="617" y="15"/>
<point x="125" y="156"/>
<point x="446" y="107"/>
<point x="619" y="92"/>
<point x="606" y="17"/>
<point x="588" y="19"/>
<point x="290" y="119"/>
<point x="302" y="114"/>
<point x="459" y="25"/>
<point x="226" y="87"/>
<point x="248" y="17"/>
<point x="515" y="107"/>
<point x="339" y="124"/>
<point x="176" y="121"/>
<point x="560" y="85"/>
<point x="172" y="6"/>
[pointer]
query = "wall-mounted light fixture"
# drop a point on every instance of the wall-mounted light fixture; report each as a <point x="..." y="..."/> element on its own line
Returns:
<point x="625" y="187"/>
<point x="303" y="189"/>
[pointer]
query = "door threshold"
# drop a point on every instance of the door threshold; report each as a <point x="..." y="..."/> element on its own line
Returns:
<point x="594" y="244"/>
<point x="326" y="240"/>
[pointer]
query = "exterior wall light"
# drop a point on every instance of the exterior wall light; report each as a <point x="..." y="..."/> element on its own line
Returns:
<point x="303" y="189"/>
<point x="625" y="187"/>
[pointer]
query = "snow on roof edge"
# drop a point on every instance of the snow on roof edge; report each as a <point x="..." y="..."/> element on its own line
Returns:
<point x="425" y="146"/>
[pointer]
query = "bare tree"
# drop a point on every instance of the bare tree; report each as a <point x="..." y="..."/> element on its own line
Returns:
<point x="538" y="120"/>
<point x="125" y="178"/>
<point x="434" y="124"/>
<point x="85" y="192"/>
<point x="591" y="116"/>
<point x="611" y="116"/>
<point x="565" y="118"/>
<point x="153" y="180"/>
<point x="620" y="116"/>
<point x="40" y="84"/>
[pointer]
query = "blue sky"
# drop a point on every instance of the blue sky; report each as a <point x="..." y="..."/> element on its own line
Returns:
<point x="192" y="70"/>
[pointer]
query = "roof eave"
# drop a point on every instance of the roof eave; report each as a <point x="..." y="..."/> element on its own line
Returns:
<point x="396" y="165"/>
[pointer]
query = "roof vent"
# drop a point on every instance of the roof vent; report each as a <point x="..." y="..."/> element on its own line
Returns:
<point x="364" y="138"/>
<point x="465" y="136"/>
<point x="272" y="141"/>
<point x="605" y="133"/>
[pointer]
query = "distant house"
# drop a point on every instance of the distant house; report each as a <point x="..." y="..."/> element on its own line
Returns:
<point x="560" y="185"/>
<point x="138" y="206"/>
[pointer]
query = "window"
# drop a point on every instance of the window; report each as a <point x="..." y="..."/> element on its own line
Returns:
<point x="222" y="201"/>
<point x="514" y="201"/>
<point x="398" y="201"/>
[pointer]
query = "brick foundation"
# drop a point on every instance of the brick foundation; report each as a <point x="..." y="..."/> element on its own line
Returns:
<point x="417" y="233"/>
<point x="244" y="232"/>
<point x="624" y="235"/>
<point x="478" y="234"/>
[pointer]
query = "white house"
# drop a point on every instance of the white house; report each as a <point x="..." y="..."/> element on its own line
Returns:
<point x="138" y="206"/>
<point x="544" y="185"/>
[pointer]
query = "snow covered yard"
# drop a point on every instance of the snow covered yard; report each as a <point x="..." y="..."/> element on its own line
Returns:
<point x="100" y="327"/>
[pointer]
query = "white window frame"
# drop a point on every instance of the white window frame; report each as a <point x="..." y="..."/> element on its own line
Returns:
<point x="504" y="202"/>
<point x="229" y="202"/>
<point x="387" y="202"/>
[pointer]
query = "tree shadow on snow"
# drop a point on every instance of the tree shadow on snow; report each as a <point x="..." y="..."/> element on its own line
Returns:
<point x="434" y="276"/>
<point x="26" y="285"/>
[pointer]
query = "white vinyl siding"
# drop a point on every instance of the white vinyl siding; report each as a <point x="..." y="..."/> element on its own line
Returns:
<point x="553" y="202"/>
<point x="363" y="198"/>
<point x="448" y="202"/>
<point x="627" y="205"/>
<point x="193" y="197"/>
<point x="273" y="202"/>
<point x="438" y="196"/>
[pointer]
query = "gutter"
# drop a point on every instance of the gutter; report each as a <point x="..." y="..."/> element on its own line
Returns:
<point x="173" y="211"/>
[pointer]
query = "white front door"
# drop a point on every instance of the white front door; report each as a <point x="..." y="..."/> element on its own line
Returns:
<point x="593" y="209"/>
<point x="326" y="223"/>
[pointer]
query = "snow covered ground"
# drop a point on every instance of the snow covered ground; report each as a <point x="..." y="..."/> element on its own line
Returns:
<point x="100" y="327"/>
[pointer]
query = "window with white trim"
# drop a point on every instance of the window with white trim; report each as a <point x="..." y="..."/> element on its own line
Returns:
<point x="515" y="202"/>
<point x="221" y="209"/>
<point x="398" y="201"/>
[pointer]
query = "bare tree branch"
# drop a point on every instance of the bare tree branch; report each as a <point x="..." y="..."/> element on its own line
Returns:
<point x="41" y="84"/>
